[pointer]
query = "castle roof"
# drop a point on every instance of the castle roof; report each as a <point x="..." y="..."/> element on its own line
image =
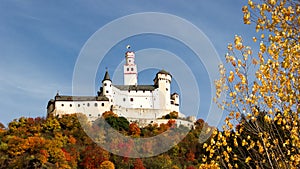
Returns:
<point x="106" y="76"/>
<point x="163" y="72"/>
<point x="136" y="87"/>
<point x="81" y="98"/>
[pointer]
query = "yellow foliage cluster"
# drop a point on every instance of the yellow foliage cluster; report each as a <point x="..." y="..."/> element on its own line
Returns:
<point x="267" y="81"/>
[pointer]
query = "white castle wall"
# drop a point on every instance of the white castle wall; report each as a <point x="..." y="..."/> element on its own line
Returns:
<point x="155" y="99"/>
<point x="142" y="112"/>
<point x="92" y="109"/>
<point x="145" y="122"/>
<point x="139" y="99"/>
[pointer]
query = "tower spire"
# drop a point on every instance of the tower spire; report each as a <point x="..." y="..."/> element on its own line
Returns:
<point x="106" y="76"/>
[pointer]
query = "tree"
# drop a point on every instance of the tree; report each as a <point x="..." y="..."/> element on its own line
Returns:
<point x="134" y="129"/>
<point x="138" y="164"/>
<point x="2" y="126"/>
<point x="107" y="165"/>
<point x="93" y="156"/>
<point x="264" y="106"/>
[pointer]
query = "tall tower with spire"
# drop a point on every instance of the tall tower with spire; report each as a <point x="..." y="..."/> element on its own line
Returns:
<point x="130" y="68"/>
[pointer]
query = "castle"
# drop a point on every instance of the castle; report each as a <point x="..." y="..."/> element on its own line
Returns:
<point x="143" y="104"/>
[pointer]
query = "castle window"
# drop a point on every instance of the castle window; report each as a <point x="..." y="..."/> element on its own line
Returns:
<point x="88" y="104"/>
<point x="167" y="89"/>
<point x="78" y="105"/>
<point x="106" y="91"/>
<point x="62" y="105"/>
<point x="102" y="104"/>
<point x="143" y="91"/>
<point x="71" y="105"/>
<point x="90" y="115"/>
<point x="129" y="91"/>
<point x="131" y="99"/>
<point x="124" y="99"/>
<point x="127" y="69"/>
<point x="98" y="115"/>
<point x="105" y="84"/>
<point x="110" y="85"/>
<point x="111" y="100"/>
<point x="96" y="104"/>
<point x="131" y="69"/>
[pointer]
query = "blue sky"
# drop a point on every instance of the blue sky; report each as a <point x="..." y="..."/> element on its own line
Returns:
<point x="41" y="40"/>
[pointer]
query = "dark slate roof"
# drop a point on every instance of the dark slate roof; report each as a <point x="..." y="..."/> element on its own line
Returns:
<point x="81" y="98"/>
<point x="106" y="76"/>
<point x="136" y="87"/>
<point x="163" y="72"/>
<point x="50" y="102"/>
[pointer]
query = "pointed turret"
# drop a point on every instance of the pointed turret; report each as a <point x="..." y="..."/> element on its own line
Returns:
<point x="107" y="86"/>
<point x="106" y="76"/>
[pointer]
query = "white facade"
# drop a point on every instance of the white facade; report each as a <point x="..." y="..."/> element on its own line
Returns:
<point x="133" y="101"/>
<point x="130" y="69"/>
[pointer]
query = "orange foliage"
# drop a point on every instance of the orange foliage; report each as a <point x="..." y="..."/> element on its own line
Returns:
<point x="107" y="165"/>
<point x="138" y="164"/>
<point x="108" y="114"/>
<point x="134" y="129"/>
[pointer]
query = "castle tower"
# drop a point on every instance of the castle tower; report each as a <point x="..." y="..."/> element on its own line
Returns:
<point x="175" y="97"/>
<point x="107" y="86"/>
<point x="163" y="81"/>
<point x="130" y="69"/>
